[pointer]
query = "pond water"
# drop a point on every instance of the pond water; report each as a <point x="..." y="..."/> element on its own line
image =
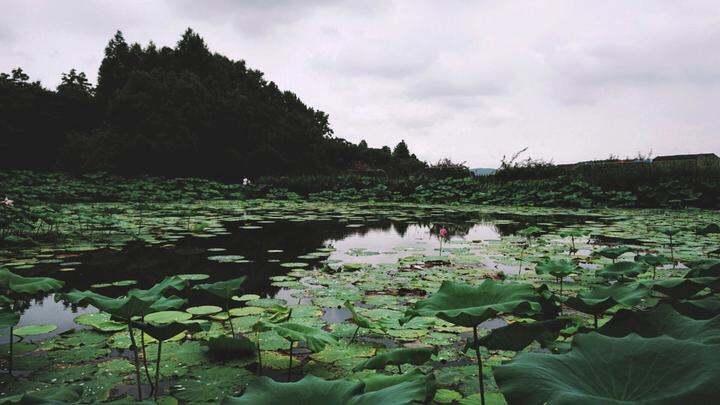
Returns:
<point x="258" y="250"/>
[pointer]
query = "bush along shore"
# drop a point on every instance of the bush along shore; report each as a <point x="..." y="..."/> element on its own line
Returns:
<point x="667" y="189"/>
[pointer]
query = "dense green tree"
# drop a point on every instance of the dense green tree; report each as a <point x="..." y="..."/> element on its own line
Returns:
<point x="177" y="111"/>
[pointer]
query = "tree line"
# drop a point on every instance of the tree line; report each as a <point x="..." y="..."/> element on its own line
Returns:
<point x="181" y="111"/>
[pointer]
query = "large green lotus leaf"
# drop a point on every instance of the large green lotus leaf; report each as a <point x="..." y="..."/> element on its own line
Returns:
<point x="167" y="329"/>
<point x="623" y="270"/>
<point x="680" y="288"/>
<point x="99" y="321"/>
<point x="176" y="283"/>
<point x="557" y="268"/>
<point x="28" y="285"/>
<point x="600" y="299"/>
<point x="662" y="320"/>
<point x="316" y="391"/>
<point x="166" y="303"/>
<point x="653" y="260"/>
<point x="223" y="289"/>
<point x="8" y="318"/>
<point x="606" y="370"/>
<point x="360" y="320"/>
<point x="702" y="308"/>
<point x="60" y="395"/>
<point x="167" y="317"/>
<point x="464" y="305"/>
<point x="703" y="268"/>
<point x="228" y="347"/>
<point x="519" y="335"/>
<point x="32" y="330"/>
<point x="380" y="381"/>
<point x="122" y="308"/>
<point x="613" y="252"/>
<point x="396" y="357"/>
<point x="315" y="339"/>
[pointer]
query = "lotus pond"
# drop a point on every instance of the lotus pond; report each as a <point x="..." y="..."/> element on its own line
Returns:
<point x="269" y="301"/>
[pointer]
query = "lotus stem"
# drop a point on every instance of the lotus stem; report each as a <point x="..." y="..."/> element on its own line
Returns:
<point x="479" y="359"/>
<point x="145" y="363"/>
<point x="290" y="363"/>
<point x="10" y="361"/>
<point x="257" y="344"/>
<point x="355" y="334"/>
<point x="561" y="285"/>
<point x="157" y="370"/>
<point x="399" y="368"/>
<point x="595" y="319"/>
<point x="137" y="361"/>
<point x="227" y="309"/>
<point x="654" y="270"/>
<point x="672" y="252"/>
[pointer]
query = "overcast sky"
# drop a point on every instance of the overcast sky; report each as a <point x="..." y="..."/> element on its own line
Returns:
<point x="470" y="80"/>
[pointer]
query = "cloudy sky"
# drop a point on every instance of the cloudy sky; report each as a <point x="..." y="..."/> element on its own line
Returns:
<point x="470" y="80"/>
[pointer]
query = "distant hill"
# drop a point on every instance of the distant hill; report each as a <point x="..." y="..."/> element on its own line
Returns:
<point x="483" y="171"/>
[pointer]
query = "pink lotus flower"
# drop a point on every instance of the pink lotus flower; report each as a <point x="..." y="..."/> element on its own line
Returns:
<point x="443" y="233"/>
<point x="7" y="202"/>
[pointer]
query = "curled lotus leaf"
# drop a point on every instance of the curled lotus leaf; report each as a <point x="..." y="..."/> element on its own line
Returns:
<point x="662" y="320"/>
<point x="317" y="391"/>
<point x="28" y="285"/>
<point x="314" y="338"/>
<point x="600" y="299"/>
<point x="681" y="288"/>
<point x="622" y="270"/>
<point x="397" y="357"/>
<point x="703" y="268"/>
<point x="518" y="335"/>
<point x="700" y="308"/>
<point x="223" y="289"/>
<point x="52" y="396"/>
<point x="612" y="252"/>
<point x="605" y="370"/>
<point x="465" y="305"/>
<point x="557" y="268"/>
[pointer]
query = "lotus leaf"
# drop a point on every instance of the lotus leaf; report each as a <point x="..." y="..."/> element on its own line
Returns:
<point x="316" y="391"/>
<point x="28" y="285"/>
<point x="622" y="270"/>
<point x="600" y="299"/>
<point x="662" y="320"/>
<point x="397" y="357"/>
<point x="315" y="339"/>
<point x="223" y="289"/>
<point x="464" y="305"/>
<point x="606" y="370"/>
<point x="32" y="330"/>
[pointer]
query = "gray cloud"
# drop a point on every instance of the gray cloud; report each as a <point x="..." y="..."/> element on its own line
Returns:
<point x="572" y="80"/>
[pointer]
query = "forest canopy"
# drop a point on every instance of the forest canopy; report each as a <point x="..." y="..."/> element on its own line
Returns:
<point x="181" y="111"/>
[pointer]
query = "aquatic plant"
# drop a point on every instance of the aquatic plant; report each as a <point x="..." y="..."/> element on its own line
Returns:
<point x="602" y="369"/>
<point x="397" y="357"/>
<point x="224" y="290"/>
<point x="361" y="321"/>
<point x="598" y="300"/>
<point x="442" y="235"/>
<point x="612" y="253"/>
<point x="558" y="269"/>
<point x="653" y="260"/>
<point x="662" y="320"/>
<point x="464" y="305"/>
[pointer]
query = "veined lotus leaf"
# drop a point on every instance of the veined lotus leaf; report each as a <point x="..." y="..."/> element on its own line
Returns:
<point x="612" y="252"/>
<point x="28" y="285"/>
<point x="121" y="308"/>
<point x="623" y="270"/>
<point x="360" y="320"/>
<point x="165" y="330"/>
<point x="279" y="313"/>
<point x="680" y="288"/>
<point x="8" y="318"/>
<point x="167" y="317"/>
<point x="203" y="310"/>
<point x="708" y="229"/>
<point x="53" y="396"/>
<point x="653" y="260"/>
<point x="464" y="305"/>
<point x="557" y="268"/>
<point x="223" y="289"/>
<point x="600" y="299"/>
<point x="606" y="370"/>
<point x="702" y="308"/>
<point x="227" y="347"/>
<point x="397" y="357"/>
<point x="315" y="339"/>
<point x="99" y="321"/>
<point x="519" y="335"/>
<point x="32" y="330"/>
<point x="317" y="391"/>
<point x="703" y="268"/>
<point x="166" y="303"/>
<point x="176" y="283"/>
<point x="662" y="320"/>
<point x="381" y="381"/>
